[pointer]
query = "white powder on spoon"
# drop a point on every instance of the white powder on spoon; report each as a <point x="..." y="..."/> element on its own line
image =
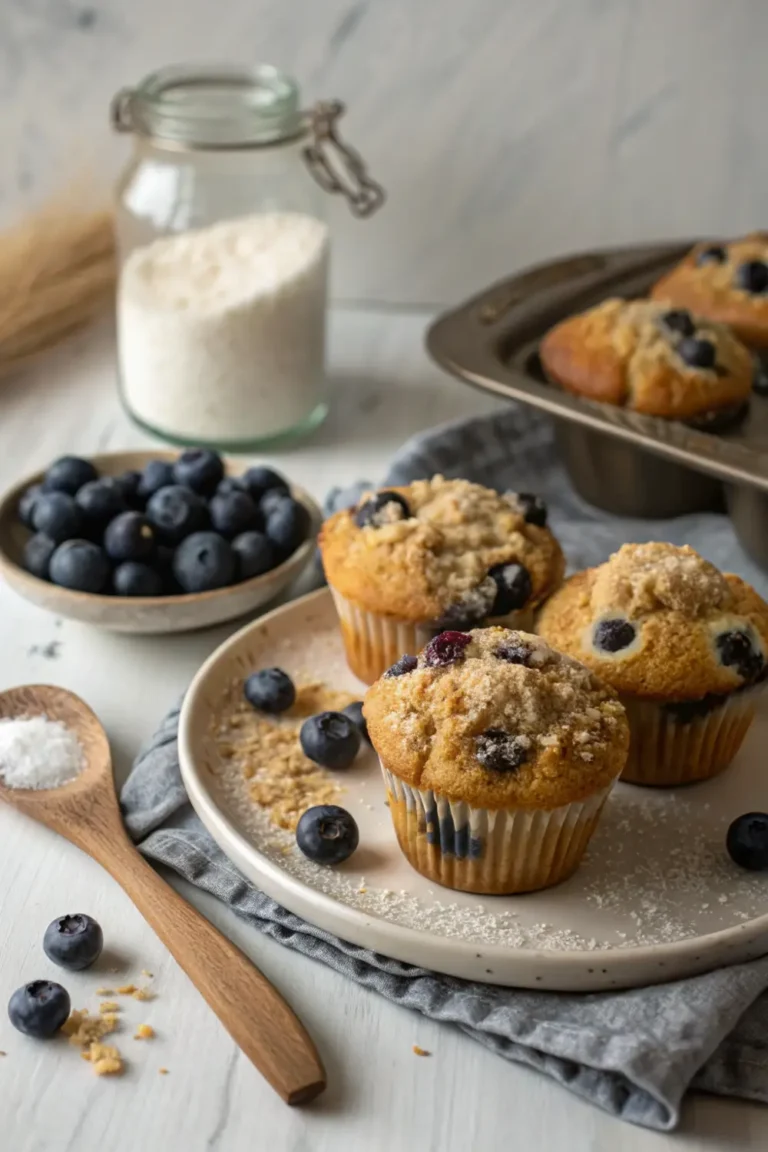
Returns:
<point x="36" y="752"/>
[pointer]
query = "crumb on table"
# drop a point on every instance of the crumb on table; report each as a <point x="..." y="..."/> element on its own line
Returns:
<point x="107" y="1006"/>
<point x="84" y="1030"/>
<point x="126" y="990"/>
<point x="420" y="1051"/>
<point x="163" y="1071"/>
<point x="144" y="1032"/>
<point x="105" y="1060"/>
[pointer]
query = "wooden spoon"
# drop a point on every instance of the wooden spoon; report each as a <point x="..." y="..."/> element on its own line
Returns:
<point x="86" y="812"/>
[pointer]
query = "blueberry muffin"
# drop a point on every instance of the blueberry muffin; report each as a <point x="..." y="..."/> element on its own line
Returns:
<point x="727" y="283"/>
<point x="498" y="754"/>
<point x="409" y="562"/>
<point x="650" y="358"/>
<point x="683" y="645"/>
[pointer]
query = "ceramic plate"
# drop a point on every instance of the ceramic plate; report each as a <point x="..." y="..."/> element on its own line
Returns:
<point x="656" y="899"/>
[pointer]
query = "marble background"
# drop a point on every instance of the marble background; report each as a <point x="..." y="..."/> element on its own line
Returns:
<point x="505" y="130"/>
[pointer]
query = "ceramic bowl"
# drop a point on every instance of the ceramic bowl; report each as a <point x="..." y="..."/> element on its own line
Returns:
<point x="161" y="614"/>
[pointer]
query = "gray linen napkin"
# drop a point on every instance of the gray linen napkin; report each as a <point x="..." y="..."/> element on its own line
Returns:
<point x="635" y="1053"/>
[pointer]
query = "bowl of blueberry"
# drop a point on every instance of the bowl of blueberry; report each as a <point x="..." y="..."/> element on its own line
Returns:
<point x="155" y="542"/>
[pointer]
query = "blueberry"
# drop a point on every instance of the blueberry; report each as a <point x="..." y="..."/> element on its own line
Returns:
<point x="37" y="555"/>
<point x="39" y="1009"/>
<point x="163" y="563"/>
<point x="199" y="469"/>
<point x="713" y="254"/>
<point x="401" y="667"/>
<point x="270" y="690"/>
<point x="532" y="508"/>
<point x="56" y="515"/>
<point x="513" y="653"/>
<point x="330" y="739"/>
<point x="176" y="513"/>
<point x="355" y="713"/>
<point x="697" y="353"/>
<point x="327" y="834"/>
<point x="128" y="483"/>
<point x="255" y="555"/>
<point x="69" y="474"/>
<point x="678" y="320"/>
<point x="287" y="527"/>
<point x="74" y="942"/>
<point x="230" y="484"/>
<point x="686" y="711"/>
<point x="747" y="841"/>
<point x="80" y="565"/>
<point x="752" y="276"/>
<point x="99" y="502"/>
<point x="234" y="513"/>
<point x="759" y="374"/>
<point x="382" y="508"/>
<point x="514" y="588"/>
<point x="132" y="578"/>
<point x="613" y="635"/>
<point x="27" y="504"/>
<point x="204" y="561"/>
<point x="129" y="536"/>
<point x="446" y="648"/>
<point x="501" y="752"/>
<point x="736" y="650"/>
<point x="157" y="474"/>
<point x="260" y="480"/>
<point x="272" y="500"/>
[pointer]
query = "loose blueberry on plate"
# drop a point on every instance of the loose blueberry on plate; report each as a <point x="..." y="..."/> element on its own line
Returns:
<point x="36" y="558"/>
<point x="679" y="320"/>
<point x="760" y="374"/>
<point x="74" y="942"/>
<point x="69" y="474"/>
<point x="129" y="536"/>
<point x="402" y="667"/>
<point x="287" y="526"/>
<point x="382" y="508"/>
<point x="39" y="1009"/>
<point x="255" y="555"/>
<point x="80" y="565"/>
<point x="445" y="649"/>
<point x="234" y="513"/>
<point x="533" y="508"/>
<point x="696" y="352"/>
<point x="99" y="502"/>
<point x="327" y="834"/>
<point x="132" y="578"/>
<point x="514" y="588"/>
<point x="330" y="739"/>
<point x="752" y="276"/>
<point x="199" y="469"/>
<point x="203" y="562"/>
<point x="176" y="512"/>
<point x="500" y="751"/>
<point x="747" y="841"/>
<point x="157" y="474"/>
<point x="128" y="483"/>
<point x="27" y="504"/>
<point x="613" y="635"/>
<point x="736" y="650"/>
<point x="270" y="690"/>
<point x="57" y="516"/>
<point x="259" y="480"/>
<point x="355" y="713"/>
<point x="714" y="254"/>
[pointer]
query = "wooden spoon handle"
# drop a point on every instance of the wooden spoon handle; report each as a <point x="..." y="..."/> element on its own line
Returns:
<point x="250" y="1008"/>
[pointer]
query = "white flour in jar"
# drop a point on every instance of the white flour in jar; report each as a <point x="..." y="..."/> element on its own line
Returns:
<point x="221" y="331"/>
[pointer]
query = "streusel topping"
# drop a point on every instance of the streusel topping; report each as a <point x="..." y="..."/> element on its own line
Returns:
<point x="642" y="578"/>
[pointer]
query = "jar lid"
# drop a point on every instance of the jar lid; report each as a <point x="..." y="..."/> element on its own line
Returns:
<point x="211" y="106"/>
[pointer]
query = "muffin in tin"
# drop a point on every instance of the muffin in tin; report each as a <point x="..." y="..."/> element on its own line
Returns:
<point x="684" y="646"/>
<point x="650" y="358"/>
<point x="498" y="754"/>
<point x="409" y="562"/>
<point x="726" y="282"/>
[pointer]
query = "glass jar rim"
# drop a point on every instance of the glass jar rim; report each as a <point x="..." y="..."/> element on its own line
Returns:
<point x="212" y="106"/>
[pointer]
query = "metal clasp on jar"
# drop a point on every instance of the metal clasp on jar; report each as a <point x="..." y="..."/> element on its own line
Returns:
<point x="335" y="166"/>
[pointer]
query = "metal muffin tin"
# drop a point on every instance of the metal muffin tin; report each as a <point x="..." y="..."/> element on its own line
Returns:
<point x="621" y="461"/>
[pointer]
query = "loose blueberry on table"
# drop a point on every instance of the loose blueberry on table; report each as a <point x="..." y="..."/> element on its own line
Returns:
<point x="330" y="739"/>
<point x="747" y="841"/>
<point x="39" y="1009"/>
<point x="270" y="690"/>
<point x="74" y="941"/>
<point x="327" y="834"/>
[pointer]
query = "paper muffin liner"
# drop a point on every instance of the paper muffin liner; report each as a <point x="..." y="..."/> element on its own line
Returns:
<point x="491" y="852"/>
<point x="374" y="643"/>
<point x="671" y="745"/>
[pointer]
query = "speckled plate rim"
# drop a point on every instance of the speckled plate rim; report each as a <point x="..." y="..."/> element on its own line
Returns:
<point x="567" y="970"/>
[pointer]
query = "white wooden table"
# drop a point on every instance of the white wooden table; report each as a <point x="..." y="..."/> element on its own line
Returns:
<point x="380" y="1097"/>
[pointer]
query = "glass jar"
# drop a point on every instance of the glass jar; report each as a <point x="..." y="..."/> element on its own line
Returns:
<point x="223" y="254"/>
